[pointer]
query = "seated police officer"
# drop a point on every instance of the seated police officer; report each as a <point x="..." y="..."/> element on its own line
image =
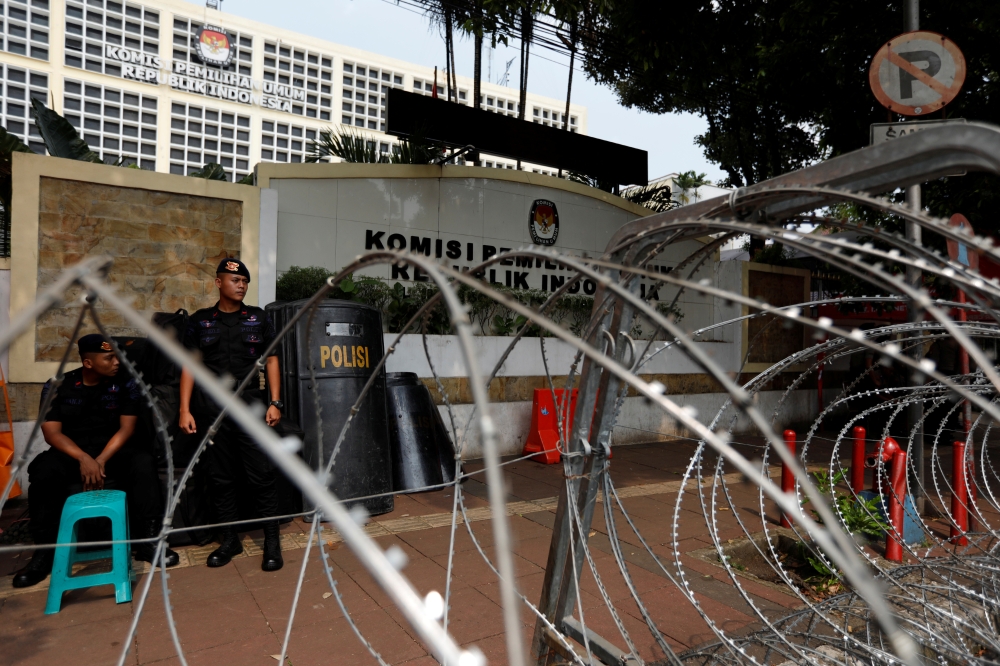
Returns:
<point x="88" y="425"/>
<point x="231" y="337"/>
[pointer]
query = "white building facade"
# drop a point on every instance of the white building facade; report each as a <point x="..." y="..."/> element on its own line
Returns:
<point x="139" y="83"/>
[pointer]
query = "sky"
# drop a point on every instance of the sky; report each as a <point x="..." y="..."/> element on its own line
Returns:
<point x="383" y="27"/>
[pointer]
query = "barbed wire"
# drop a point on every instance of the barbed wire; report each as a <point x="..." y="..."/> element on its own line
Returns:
<point x="940" y="604"/>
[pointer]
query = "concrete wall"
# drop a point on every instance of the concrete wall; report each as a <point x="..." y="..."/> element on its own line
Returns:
<point x="511" y="393"/>
<point x="166" y="248"/>
<point x="163" y="231"/>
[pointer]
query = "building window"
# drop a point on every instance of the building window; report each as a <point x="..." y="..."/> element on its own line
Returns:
<point x="426" y="88"/>
<point x="307" y="79"/>
<point x="19" y="86"/>
<point x="93" y="25"/>
<point x="377" y="83"/>
<point x="291" y="140"/>
<point x="201" y="134"/>
<point x="116" y="124"/>
<point x="549" y="117"/>
<point x="27" y="29"/>
<point x="498" y="104"/>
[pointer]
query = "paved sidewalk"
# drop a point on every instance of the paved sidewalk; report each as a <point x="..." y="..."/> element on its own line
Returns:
<point x="238" y="614"/>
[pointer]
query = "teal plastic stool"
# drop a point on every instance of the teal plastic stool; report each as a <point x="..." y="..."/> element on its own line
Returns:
<point x="93" y="504"/>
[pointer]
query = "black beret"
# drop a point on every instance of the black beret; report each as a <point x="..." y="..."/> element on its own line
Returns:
<point x="94" y="343"/>
<point x="235" y="267"/>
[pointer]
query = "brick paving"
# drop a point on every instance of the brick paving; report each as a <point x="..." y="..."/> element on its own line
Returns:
<point x="238" y="614"/>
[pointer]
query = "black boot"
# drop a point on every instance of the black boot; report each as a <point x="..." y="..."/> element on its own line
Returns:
<point x="229" y="547"/>
<point x="36" y="570"/>
<point x="145" y="552"/>
<point x="271" y="560"/>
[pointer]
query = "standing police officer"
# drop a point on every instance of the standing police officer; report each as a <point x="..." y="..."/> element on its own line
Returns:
<point x="231" y="337"/>
<point x="90" y="420"/>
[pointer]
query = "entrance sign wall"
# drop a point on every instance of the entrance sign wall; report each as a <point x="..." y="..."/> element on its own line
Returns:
<point x="328" y="214"/>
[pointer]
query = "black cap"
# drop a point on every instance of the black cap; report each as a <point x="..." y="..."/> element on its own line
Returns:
<point x="235" y="267"/>
<point x="94" y="343"/>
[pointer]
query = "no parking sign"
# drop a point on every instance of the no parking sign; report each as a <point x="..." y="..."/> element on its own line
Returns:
<point x="917" y="72"/>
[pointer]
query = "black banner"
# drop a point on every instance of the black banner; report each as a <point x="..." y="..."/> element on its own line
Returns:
<point x="459" y="125"/>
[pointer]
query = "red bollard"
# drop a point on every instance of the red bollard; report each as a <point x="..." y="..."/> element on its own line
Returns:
<point x="895" y="500"/>
<point x="787" y="478"/>
<point x="883" y="455"/>
<point x="858" y="460"/>
<point x="959" y="495"/>
<point x="970" y="485"/>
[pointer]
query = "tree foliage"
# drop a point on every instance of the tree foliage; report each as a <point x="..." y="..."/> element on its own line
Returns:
<point x="784" y="84"/>
<point x="358" y="147"/>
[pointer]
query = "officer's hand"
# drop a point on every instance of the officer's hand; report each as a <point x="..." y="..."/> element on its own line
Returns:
<point x="273" y="416"/>
<point x="91" y="474"/>
<point x="187" y="424"/>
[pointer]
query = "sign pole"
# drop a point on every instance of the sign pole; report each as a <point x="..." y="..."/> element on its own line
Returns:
<point x="911" y="22"/>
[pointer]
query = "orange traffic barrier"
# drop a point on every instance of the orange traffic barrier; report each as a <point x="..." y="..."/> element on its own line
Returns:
<point x="543" y="438"/>
<point x="7" y="443"/>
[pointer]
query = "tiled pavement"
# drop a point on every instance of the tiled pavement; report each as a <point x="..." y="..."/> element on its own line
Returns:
<point x="238" y="614"/>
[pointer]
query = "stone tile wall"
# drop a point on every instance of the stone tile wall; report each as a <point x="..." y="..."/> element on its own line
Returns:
<point x="165" y="247"/>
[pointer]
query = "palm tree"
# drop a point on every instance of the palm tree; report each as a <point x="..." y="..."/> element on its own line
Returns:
<point x="690" y="181"/>
<point x="358" y="147"/>
<point x="655" y="197"/>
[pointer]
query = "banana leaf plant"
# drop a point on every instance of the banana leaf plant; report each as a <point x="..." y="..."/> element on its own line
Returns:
<point x="60" y="137"/>
<point x="211" y="171"/>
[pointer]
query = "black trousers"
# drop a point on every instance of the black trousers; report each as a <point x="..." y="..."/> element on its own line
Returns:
<point x="54" y="476"/>
<point x="231" y="450"/>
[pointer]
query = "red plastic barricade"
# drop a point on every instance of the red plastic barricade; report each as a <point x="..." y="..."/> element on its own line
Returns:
<point x="544" y="435"/>
<point x="7" y="444"/>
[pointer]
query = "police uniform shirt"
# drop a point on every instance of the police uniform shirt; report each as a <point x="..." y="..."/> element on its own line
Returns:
<point x="230" y="342"/>
<point x="90" y="415"/>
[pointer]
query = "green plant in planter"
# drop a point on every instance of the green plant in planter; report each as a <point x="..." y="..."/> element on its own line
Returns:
<point x="403" y="304"/>
<point x="858" y="516"/>
<point x="507" y="324"/>
<point x="297" y="283"/>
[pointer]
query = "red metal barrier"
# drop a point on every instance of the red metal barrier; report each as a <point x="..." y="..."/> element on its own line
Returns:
<point x="543" y="438"/>
<point x="959" y="495"/>
<point x="858" y="460"/>
<point x="787" y="478"/>
<point x="895" y="500"/>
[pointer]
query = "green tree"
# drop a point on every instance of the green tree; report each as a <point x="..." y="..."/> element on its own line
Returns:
<point x="784" y="84"/>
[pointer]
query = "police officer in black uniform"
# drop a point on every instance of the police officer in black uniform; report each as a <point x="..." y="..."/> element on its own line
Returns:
<point x="88" y="426"/>
<point x="231" y="337"/>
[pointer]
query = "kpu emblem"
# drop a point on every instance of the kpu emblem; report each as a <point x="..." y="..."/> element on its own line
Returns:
<point x="544" y="222"/>
<point x="213" y="46"/>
